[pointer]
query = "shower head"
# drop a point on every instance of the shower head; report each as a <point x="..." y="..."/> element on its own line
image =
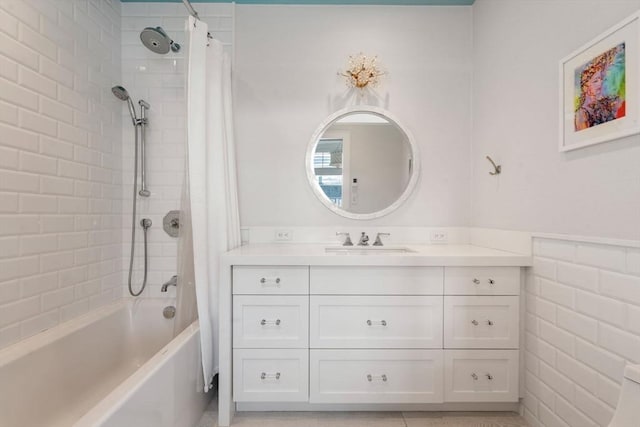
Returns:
<point x="156" y="40"/>
<point x="122" y="94"/>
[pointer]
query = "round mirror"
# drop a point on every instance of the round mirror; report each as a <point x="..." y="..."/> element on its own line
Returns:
<point x="361" y="163"/>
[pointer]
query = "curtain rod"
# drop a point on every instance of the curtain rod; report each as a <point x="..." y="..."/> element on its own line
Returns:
<point x="190" y="8"/>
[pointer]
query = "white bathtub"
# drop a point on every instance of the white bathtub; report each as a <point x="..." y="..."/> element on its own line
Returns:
<point x="117" y="366"/>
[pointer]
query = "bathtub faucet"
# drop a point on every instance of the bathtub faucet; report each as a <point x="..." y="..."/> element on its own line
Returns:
<point x="172" y="282"/>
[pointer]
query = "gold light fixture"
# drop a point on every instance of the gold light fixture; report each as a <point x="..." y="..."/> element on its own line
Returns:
<point x="362" y="71"/>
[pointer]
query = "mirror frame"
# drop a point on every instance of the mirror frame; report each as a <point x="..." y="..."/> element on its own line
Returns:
<point x="311" y="148"/>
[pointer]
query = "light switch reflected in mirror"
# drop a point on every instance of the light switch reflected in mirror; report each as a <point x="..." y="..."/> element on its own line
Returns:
<point x="361" y="163"/>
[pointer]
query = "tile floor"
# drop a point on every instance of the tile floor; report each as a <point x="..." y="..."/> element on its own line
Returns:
<point x="366" y="419"/>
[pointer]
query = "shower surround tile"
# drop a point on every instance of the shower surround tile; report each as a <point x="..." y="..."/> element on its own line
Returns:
<point x="57" y="124"/>
<point x="159" y="80"/>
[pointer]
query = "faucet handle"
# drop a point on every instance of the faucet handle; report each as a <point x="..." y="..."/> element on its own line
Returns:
<point x="347" y="240"/>
<point x="378" y="241"/>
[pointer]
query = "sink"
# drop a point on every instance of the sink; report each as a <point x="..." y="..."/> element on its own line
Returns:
<point x="368" y="250"/>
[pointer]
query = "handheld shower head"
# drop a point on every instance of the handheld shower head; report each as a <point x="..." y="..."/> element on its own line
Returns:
<point x="156" y="40"/>
<point x="122" y="94"/>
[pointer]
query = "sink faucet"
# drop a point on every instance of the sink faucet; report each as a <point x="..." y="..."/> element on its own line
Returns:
<point x="172" y="282"/>
<point x="378" y="241"/>
<point x="347" y="240"/>
<point x="364" y="240"/>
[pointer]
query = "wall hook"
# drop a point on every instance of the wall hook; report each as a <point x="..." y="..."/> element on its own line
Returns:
<point x="497" y="168"/>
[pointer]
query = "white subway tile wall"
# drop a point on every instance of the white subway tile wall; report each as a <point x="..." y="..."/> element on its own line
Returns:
<point x="159" y="80"/>
<point x="582" y="321"/>
<point x="60" y="162"/>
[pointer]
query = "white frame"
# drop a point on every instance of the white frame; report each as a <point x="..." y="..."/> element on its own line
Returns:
<point x="310" y="170"/>
<point x="628" y="31"/>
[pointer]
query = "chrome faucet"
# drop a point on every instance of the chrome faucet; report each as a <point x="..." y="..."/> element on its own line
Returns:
<point x="172" y="282"/>
<point x="364" y="240"/>
<point x="378" y="241"/>
<point x="347" y="240"/>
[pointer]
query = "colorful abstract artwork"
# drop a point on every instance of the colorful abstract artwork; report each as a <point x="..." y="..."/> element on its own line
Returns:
<point x="600" y="89"/>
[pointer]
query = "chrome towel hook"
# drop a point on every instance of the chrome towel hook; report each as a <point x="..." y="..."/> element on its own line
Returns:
<point x="497" y="168"/>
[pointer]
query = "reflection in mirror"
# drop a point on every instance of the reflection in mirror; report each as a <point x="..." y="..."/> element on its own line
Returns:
<point x="362" y="163"/>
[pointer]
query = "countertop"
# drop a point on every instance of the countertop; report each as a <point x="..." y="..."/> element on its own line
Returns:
<point x="421" y="255"/>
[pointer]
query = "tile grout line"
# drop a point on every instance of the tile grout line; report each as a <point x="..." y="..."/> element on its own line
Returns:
<point x="404" y="420"/>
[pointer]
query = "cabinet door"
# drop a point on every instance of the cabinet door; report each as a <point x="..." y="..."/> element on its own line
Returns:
<point x="481" y="322"/>
<point x="270" y="321"/>
<point x="375" y="321"/>
<point x="374" y="280"/>
<point x="270" y="375"/>
<point x="481" y="375"/>
<point x="271" y="280"/>
<point x="482" y="280"/>
<point x="375" y="376"/>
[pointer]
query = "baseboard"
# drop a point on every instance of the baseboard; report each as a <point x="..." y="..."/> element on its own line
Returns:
<point x="438" y="407"/>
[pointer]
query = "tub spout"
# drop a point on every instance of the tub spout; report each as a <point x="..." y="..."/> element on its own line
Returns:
<point x="172" y="282"/>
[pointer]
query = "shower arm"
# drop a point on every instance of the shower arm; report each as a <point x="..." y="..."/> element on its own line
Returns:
<point x="190" y="8"/>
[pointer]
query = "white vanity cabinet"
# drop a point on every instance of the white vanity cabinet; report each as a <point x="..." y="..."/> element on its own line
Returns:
<point x="270" y="322"/>
<point x="481" y="334"/>
<point x="375" y="334"/>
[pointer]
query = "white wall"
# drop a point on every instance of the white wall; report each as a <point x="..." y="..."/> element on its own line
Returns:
<point x="517" y="48"/>
<point x="60" y="211"/>
<point x="286" y="84"/>
<point x="159" y="79"/>
<point x="583" y="325"/>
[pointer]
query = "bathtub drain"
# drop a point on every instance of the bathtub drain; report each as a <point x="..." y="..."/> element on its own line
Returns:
<point x="169" y="312"/>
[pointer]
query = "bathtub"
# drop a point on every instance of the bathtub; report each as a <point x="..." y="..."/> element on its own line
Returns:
<point x="117" y="366"/>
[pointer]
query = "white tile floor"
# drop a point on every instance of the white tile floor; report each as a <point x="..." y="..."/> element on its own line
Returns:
<point x="366" y="419"/>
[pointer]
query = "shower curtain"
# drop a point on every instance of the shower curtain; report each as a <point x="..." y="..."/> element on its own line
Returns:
<point x="212" y="199"/>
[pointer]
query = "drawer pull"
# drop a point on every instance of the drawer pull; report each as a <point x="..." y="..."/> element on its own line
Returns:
<point x="265" y="376"/>
<point x="489" y="377"/>
<point x="266" y="281"/>
<point x="492" y="282"/>
<point x="476" y="281"/>
<point x="475" y="322"/>
<point x="490" y="322"/>
<point x="474" y="376"/>
<point x="374" y="322"/>
<point x="270" y="322"/>
<point x="382" y="377"/>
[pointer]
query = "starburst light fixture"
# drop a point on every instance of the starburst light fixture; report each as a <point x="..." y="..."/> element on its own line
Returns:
<point x="362" y="71"/>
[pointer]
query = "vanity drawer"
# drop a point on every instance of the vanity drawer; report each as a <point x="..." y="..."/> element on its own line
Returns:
<point x="482" y="280"/>
<point x="270" y="375"/>
<point x="270" y="321"/>
<point x="481" y="375"/>
<point x="481" y="322"/>
<point x="376" y="376"/>
<point x="262" y="280"/>
<point x="375" y="321"/>
<point x="373" y="280"/>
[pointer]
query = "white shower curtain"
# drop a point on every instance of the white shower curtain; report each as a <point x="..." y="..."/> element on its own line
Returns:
<point x="212" y="178"/>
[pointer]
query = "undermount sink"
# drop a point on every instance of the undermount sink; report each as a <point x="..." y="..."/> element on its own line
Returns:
<point x="367" y="250"/>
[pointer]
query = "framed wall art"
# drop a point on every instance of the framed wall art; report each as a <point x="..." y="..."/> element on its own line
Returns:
<point x="599" y="88"/>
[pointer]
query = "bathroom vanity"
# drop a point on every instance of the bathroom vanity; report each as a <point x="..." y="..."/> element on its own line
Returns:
<point x="316" y="327"/>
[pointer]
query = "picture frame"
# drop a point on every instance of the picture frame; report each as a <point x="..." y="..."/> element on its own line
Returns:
<point x="599" y="88"/>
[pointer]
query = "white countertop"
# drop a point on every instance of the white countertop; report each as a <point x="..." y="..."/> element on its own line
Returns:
<point x="422" y="255"/>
